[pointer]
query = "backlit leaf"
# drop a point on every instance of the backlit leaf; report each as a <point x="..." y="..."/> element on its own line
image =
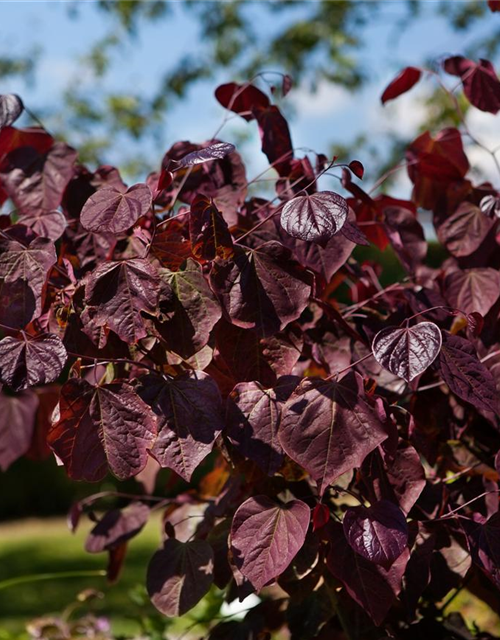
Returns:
<point x="209" y="233"/>
<point x="242" y="99"/>
<point x="266" y="536"/>
<point x="409" y="351"/>
<point x="316" y="217"/>
<point x="11" y="107"/>
<point x="113" y="211"/>
<point x="480" y="82"/>
<point x="402" y="83"/>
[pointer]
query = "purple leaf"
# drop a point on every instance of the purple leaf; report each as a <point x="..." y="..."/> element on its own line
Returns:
<point x="25" y="362"/>
<point x="262" y="289"/>
<point x="480" y="82"/>
<point x="370" y="585"/>
<point x="329" y="428"/>
<point x="266" y="536"/>
<point x="11" y="107"/>
<point x="47" y="224"/>
<point x="116" y="527"/>
<point x="208" y="231"/>
<point x="473" y="289"/>
<point x="179" y="575"/>
<point x="406" y="236"/>
<point x="17" y="421"/>
<point x="464" y="231"/>
<point x="407" y="352"/>
<point x="115" y="295"/>
<point x="100" y="426"/>
<point x="215" y="151"/>
<point x="314" y="218"/>
<point x="188" y="411"/>
<point x="113" y="211"/>
<point x="466" y="375"/>
<point x="378" y="533"/>
<point x="485" y="543"/>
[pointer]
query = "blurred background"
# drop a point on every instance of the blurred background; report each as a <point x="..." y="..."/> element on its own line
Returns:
<point x="123" y="80"/>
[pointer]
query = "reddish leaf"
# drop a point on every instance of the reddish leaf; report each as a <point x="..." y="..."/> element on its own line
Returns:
<point x="466" y="375"/>
<point x="371" y="586"/>
<point x="475" y="323"/>
<point x="357" y="168"/>
<point x="188" y="411"/>
<point x="112" y="211"/>
<point x="464" y="231"/>
<point x="242" y="99"/>
<point x="25" y="261"/>
<point x="407" y="352"/>
<point x="266" y="536"/>
<point x="329" y="428"/>
<point x="378" y="533"/>
<point x="275" y="138"/>
<point x="12" y="138"/>
<point x="473" y="289"/>
<point x="47" y="224"/>
<point x="215" y="151"/>
<point x="116" y="527"/>
<point x="402" y="83"/>
<point x="170" y="246"/>
<point x="406" y="236"/>
<point x="11" y="107"/>
<point x="262" y="289"/>
<point x="179" y="575"/>
<point x="190" y="308"/>
<point x="115" y="295"/>
<point x="17" y="421"/>
<point x="25" y="362"/>
<point x="210" y="237"/>
<point x="494" y="5"/>
<point x="314" y="218"/>
<point x="100" y="426"/>
<point x="480" y="82"/>
<point x="320" y="516"/>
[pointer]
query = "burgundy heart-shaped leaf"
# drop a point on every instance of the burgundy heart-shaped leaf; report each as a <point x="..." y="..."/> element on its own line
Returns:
<point x="473" y="289"/>
<point x="409" y="351"/>
<point x="314" y="218"/>
<point x="244" y="100"/>
<point x="378" y="533"/>
<point x="215" y="151"/>
<point x="117" y="526"/>
<point x="465" y="230"/>
<point x="25" y="362"/>
<point x="266" y="536"/>
<point x="113" y="211"/>
<point x="480" y="81"/>
<point x="48" y="224"/>
<point x="179" y="575"/>
<point x="465" y="374"/>
<point x="97" y="427"/>
<point x="17" y="422"/>
<point x="11" y="107"/>
<point x="329" y="428"/>
<point x="402" y="83"/>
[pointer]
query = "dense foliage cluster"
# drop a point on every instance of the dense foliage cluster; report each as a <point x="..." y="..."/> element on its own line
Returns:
<point x="322" y="431"/>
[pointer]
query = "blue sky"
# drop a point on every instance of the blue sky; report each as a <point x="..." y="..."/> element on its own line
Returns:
<point x="332" y="115"/>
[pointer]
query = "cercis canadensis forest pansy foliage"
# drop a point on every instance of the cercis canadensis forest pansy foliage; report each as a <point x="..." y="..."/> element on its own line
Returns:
<point x="345" y="434"/>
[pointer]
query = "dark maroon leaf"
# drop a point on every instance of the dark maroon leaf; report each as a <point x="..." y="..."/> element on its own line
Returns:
<point x="215" y="151"/>
<point x="188" y="411"/>
<point x="242" y="99"/>
<point x="115" y="295"/>
<point x="190" y="308"/>
<point x="314" y="218"/>
<point x="329" y="428"/>
<point x="475" y="323"/>
<point x="406" y="236"/>
<point x="494" y="5"/>
<point x="11" y="107"/>
<point x="25" y="261"/>
<point x="378" y="533"/>
<point x="320" y="516"/>
<point x="116" y="527"/>
<point x="473" y="289"/>
<point x="275" y="138"/>
<point x="402" y="83"/>
<point x="47" y="224"/>
<point x="465" y="230"/>
<point x="209" y="233"/>
<point x="485" y="542"/>
<point x="370" y="585"/>
<point x="100" y="426"/>
<point x="357" y="168"/>
<point x="465" y="374"/>
<point x="179" y="575"/>
<point x="352" y="232"/>
<point x="407" y="352"/>
<point x="266" y="536"/>
<point x="26" y="361"/>
<point x="262" y="289"/>
<point x="17" y="421"/>
<point x="252" y="419"/>
<point x="480" y="82"/>
<point x="112" y="211"/>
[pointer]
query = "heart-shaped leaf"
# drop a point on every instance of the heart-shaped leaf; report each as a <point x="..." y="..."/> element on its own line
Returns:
<point x="25" y="362"/>
<point x="11" y="107"/>
<point x="113" y="211"/>
<point x="479" y="79"/>
<point x="316" y="217"/>
<point x="116" y="527"/>
<point x="179" y="575"/>
<point x="48" y="224"/>
<point x="473" y="289"/>
<point x="266" y="536"/>
<point x="379" y="533"/>
<point x="215" y="151"/>
<point x="407" y="352"/>
<point x="465" y="230"/>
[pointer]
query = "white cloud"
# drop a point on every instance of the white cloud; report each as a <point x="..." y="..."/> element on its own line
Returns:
<point x="327" y="100"/>
<point x="401" y="116"/>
